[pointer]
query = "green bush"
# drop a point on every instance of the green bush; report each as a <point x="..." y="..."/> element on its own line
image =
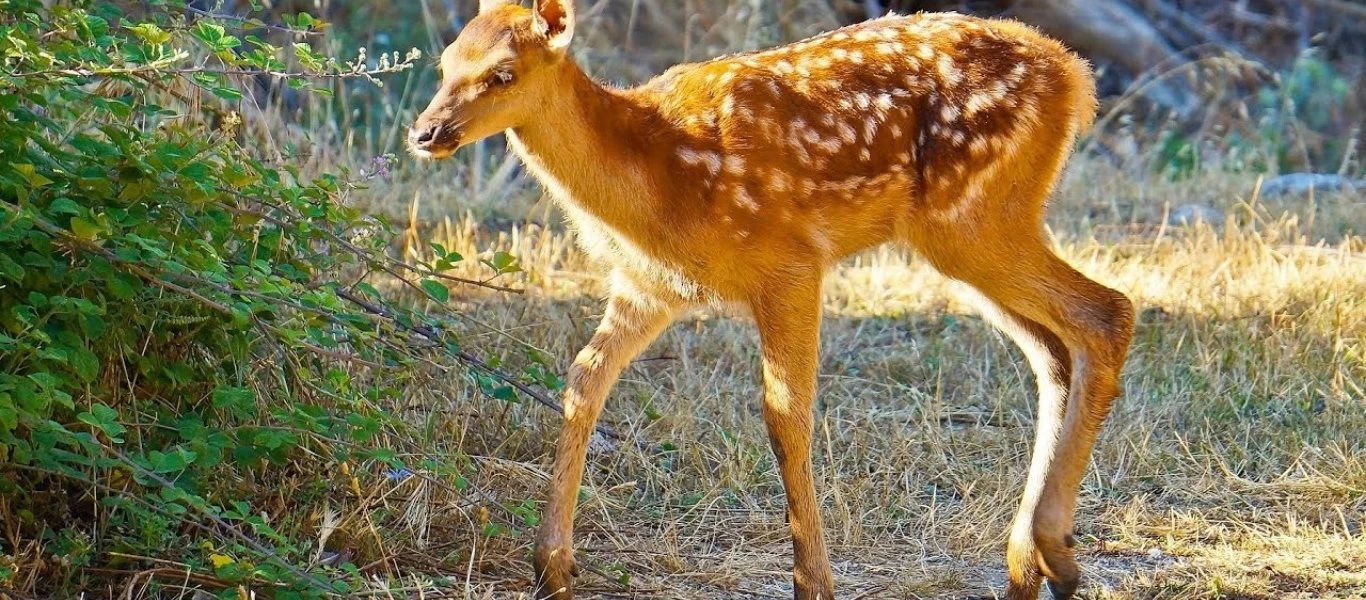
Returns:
<point x="180" y="314"/>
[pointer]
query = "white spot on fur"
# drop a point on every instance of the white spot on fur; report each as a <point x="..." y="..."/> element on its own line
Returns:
<point x="780" y="182"/>
<point x="743" y="200"/>
<point x="978" y="145"/>
<point x="847" y="133"/>
<point x="977" y="103"/>
<point x="711" y="160"/>
<point x="951" y="74"/>
<point x="829" y="145"/>
<point x="728" y="106"/>
<point x="735" y="165"/>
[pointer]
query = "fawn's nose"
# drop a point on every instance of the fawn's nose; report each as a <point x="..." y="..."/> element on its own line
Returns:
<point x="422" y="136"/>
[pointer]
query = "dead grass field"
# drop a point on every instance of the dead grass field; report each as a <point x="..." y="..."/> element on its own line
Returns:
<point x="1234" y="465"/>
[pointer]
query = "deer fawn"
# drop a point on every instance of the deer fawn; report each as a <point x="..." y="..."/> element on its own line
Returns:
<point x="742" y="179"/>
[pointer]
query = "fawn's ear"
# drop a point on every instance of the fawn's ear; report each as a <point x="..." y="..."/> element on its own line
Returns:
<point x="488" y="5"/>
<point x="554" y="20"/>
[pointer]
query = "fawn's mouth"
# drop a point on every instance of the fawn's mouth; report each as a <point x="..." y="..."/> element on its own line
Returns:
<point x="434" y="142"/>
<point x="432" y="153"/>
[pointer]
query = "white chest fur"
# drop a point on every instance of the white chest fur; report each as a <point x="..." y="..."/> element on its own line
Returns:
<point x="606" y="244"/>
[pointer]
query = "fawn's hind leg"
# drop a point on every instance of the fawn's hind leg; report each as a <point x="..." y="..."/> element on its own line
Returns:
<point x="1076" y="333"/>
<point x="1051" y="363"/>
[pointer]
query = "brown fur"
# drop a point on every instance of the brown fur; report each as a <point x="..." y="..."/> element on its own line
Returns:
<point x="742" y="179"/>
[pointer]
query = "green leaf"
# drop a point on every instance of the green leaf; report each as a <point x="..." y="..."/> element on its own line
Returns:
<point x="31" y="175"/>
<point x="11" y="270"/>
<point x="9" y="414"/>
<point x="227" y="93"/>
<point x="84" y="229"/>
<point x="234" y="399"/>
<point x="438" y="290"/>
<point x="503" y="263"/>
<point x="105" y="419"/>
<point x="208" y="32"/>
<point x="64" y="206"/>
<point x="151" y="34"/>
<point x="123" y="285"/>
<point x="85" y="364"/>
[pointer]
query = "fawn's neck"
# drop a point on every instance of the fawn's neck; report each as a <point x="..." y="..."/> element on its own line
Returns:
<point x="588" y="151"/>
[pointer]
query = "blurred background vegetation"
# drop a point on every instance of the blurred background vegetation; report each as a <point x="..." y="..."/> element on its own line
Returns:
<point x="1265" y="87"/>
<point x="249" y="347"/>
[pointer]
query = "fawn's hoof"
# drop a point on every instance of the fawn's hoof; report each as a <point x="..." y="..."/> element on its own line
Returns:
<point x="1064" y="590"/>
<point x="813" y="587"/>
<point x="1040" y="559"/>
<point x="1029" y="590"/>
<point x="555" y="572"/>
<point x="813" y="594"/>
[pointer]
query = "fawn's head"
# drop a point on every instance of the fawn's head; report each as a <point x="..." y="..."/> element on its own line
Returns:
<point x="494" y="75"/>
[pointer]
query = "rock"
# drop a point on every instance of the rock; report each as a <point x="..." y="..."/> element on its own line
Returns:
<point x="1190" y="214"/>
<point x="1301" y="183"/>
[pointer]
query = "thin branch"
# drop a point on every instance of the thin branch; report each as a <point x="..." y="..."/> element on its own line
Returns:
<point x="358" y="251"/>
<point x="249" y="22"/>
<point x="226" y="526"/>
<point x="163" y="512"/>
<point x="471" y="360"/>
<point x="161" y="68"/>
<point x="134" y="268"/>
<point x="525" y="389"/>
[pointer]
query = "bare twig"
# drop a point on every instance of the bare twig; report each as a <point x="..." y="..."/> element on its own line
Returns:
<point x="469" y="359"/>
<point x="352" y="248"/>
<point x="89" y="246"/>
<point x="226" y="526"/>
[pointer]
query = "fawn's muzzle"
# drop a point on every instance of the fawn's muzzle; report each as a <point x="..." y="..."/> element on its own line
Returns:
<point x="433" y="137"/>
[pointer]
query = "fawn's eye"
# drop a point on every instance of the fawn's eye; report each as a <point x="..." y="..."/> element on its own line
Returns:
<point x="500" y="77"/>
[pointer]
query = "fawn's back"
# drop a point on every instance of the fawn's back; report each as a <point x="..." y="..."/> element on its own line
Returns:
<point x="833" y="144"/>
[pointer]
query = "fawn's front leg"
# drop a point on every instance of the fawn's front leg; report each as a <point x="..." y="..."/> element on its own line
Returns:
<point x="632" y="321"/>
<point x="789" y="318"/>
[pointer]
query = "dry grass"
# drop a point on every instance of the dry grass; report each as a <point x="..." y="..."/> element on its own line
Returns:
<point x="1233" y="467"/>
